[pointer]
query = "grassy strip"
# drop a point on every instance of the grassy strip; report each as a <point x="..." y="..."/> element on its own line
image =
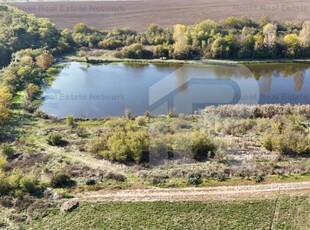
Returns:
<point x="253" y="214"/>
<point x="99" y="60"/>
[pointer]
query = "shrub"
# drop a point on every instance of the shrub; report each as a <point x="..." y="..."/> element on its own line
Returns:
<point x="259" y="179"/>
<point x="159" y="179"/>
<point x="110" y="44"/>
<point x="4" y="185"/>
<point x="147" y="114"/>
<point x="160" y="51"/>
<point x="194" y="179"/>
<point x="202" y="146"/>
<point x="90" y="182"/>
<point x="54" y="139"/>
<point x="115" y="176"/>
<point x="32" y="92"/>
<point x="71" y="121"/>
<point x="29" y="184"/>
<point x="97" y="146"/>
<point x="7" y="150"/>
<point x="81" y="132"/>
<point x="182" y="146"/>
<point x="288" y="142"/>
<point x="30" y="106"/>
<point x="128" y="146"/>
<point x="135" y="51"/>
<point x="127" y="113"/>
<point x="61" y="180"/>
<point x="161" y="148"/>
<point x="2" y="162"/>
<point x="141" y="121"/>
<point x="41" y="114"/>
<point x="15" y="178"/>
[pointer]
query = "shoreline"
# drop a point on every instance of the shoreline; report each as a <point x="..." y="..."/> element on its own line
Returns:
<point x="94" y="60"/>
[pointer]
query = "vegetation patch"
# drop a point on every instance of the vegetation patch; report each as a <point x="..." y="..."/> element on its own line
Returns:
<point x="179" y="215"/>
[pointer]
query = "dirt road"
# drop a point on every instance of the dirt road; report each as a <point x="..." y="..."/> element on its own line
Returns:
<point x="140" y="13"/>
<point x="225" y="193"/>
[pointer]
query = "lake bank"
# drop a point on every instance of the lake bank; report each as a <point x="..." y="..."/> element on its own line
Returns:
<point x="102" y="60"/>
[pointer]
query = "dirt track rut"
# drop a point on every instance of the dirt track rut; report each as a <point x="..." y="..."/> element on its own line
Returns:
<point x="262" y="191"/>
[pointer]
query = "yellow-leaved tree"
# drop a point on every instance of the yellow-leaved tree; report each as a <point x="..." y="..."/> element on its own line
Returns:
<point x="181" y="47"/>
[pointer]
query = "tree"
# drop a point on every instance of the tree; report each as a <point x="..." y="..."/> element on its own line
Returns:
<point x="181" y="47"/>
<point x="259" y="47"/>
<point x="32" y="91"/>
<point x="81" y="28"/>
<point x="45" y="60"/>
<point x="270" y="35"/>
<point x="110" y="44"/>
<point x="202" y="32"/>
<point x="264" y="20"/>
<point x="19" y="30"/>
<point x="247" y="47"/>
<point x="304" y="35"/>
<point x="236" y="23"/>
<point x="160" y="51"/>
<point x="224" y="47"/>
<point x="304" y="38"/>
<point x="292" y="45"/>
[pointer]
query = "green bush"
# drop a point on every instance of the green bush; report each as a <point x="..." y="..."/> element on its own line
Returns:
<point x="160" y="51"/>
<point x="259" y="179"/>
<point x="15" y="178"/>
<point x="90" y="182"/>
<point x="29" y="183"/>
<point x="202" y="146"/>
<point x="287" y="143"/>
<point x="126" y="144"/>
<point x="3" y="162"/>
<point x="194" y="179"/>
<point x="110" y="44"/>
<point x="5" y="187"/>
<point x="182" y="145"/>
<point x="54" y="139"/>
<point x="116" y="176"/>
<point x="127" y="113"/>
<point x="71" y="121"/>
<point x="7" y="150"/>
<point x="136" y="51"/>
<point x="41" y="114"/>
<point x="141" y="120"/>
<point x="97" y="146"/>
<point x="61" y="180"/>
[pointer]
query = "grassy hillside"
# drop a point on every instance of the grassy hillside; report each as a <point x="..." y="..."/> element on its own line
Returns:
<point x="284" y="213"/>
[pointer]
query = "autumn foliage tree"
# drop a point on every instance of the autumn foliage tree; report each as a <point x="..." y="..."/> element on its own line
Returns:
<point x="45" y="60"/>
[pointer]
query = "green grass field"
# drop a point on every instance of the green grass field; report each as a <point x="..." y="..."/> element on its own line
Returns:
<point x="284" y="213"/>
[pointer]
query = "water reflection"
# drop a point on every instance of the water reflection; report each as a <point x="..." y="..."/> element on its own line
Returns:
<point x="106" y="90"/>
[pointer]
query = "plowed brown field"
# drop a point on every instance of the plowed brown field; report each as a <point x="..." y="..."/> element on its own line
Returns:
<point x="139" y="14"/>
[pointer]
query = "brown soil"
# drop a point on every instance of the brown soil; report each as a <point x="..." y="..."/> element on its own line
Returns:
<point x="262" y="191"/>
<point x="139" y="14"/>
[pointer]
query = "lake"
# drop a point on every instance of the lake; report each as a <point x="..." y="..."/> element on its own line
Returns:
<point x="97" y="91"/>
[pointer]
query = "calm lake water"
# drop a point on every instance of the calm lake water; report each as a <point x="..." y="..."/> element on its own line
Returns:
<point x="96" y="91"/>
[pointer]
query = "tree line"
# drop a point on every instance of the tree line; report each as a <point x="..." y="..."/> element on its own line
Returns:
<point x="230" y="38"/>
